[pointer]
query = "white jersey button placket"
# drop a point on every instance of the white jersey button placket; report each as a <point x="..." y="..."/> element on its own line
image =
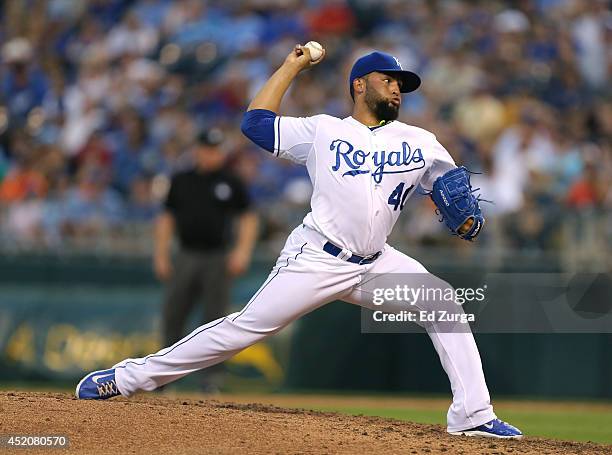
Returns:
<point x="375" y="187"/>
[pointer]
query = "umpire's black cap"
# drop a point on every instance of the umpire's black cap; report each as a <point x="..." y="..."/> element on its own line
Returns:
<point x="211" y="137"/>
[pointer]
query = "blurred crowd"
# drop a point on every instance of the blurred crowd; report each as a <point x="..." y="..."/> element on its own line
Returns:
<point x="101" y="101"/>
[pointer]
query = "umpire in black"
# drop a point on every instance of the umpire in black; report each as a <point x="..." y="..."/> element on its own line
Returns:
<point x="209" y="208"/>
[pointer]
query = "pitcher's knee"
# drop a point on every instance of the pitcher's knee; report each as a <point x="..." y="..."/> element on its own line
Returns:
<point x="241" y="333"/>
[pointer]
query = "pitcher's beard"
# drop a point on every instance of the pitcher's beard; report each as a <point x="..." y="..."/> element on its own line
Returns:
<point x="381" y="108"/>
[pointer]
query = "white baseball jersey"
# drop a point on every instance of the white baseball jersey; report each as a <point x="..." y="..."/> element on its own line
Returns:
<point x="361" y="177"/>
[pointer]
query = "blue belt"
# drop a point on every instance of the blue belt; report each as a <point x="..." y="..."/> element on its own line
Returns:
<point x="355" y="259"/>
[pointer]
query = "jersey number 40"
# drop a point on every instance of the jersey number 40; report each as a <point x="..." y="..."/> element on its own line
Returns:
<point x="399" y="196"/>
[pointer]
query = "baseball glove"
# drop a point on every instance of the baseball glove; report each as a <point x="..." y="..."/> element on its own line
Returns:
<point x="458" y="207"/>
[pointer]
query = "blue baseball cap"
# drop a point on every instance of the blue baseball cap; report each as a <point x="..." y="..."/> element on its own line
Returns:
<point x="384" y="63"/>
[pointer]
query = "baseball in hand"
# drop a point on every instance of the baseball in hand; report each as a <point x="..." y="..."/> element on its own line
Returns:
<point x="316" y="50"/>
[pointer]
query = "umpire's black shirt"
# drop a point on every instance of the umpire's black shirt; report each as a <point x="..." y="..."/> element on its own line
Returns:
<point x="204" y="205"/>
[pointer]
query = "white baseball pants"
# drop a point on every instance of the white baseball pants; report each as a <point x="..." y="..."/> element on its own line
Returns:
<point x="303" y="279"/>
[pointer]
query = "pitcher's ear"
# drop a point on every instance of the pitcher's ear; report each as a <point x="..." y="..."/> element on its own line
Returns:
<point x="358" y="85"/>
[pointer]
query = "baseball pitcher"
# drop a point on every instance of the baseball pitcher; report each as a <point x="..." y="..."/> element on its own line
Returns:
<point x="362" y="168"/>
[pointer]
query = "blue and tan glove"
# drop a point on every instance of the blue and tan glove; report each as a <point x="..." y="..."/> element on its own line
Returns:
<point x="453" y="195"/>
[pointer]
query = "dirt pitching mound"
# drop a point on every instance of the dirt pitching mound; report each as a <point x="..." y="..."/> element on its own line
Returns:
<point x="150" y="424"/>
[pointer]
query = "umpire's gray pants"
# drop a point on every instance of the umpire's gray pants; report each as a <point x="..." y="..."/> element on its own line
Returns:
<point x="197" y="276"/>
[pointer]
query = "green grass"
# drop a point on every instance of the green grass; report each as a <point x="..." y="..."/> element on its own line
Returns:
<point x="595" y="426"/>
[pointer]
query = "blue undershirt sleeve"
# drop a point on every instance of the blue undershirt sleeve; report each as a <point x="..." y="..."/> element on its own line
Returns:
<point x="258" y="126"/>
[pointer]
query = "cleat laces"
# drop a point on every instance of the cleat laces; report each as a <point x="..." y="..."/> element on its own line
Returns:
<point x="108" y="388"/>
